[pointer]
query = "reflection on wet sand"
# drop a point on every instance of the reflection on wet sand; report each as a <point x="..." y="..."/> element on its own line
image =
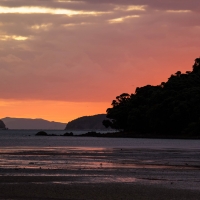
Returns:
<point x="68" y="165"/>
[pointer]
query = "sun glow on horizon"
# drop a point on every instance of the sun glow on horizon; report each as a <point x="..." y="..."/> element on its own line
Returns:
<point x="59" y="111"/>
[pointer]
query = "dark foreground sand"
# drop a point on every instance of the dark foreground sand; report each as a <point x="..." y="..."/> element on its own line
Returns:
<point x="9" y="189"/>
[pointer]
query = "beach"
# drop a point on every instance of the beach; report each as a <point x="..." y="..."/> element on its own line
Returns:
<point x="106" y="191"/>
<point x="99" y="173"/>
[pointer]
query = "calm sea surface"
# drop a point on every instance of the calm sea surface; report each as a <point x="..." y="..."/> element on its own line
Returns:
<point x="22" y="138"/>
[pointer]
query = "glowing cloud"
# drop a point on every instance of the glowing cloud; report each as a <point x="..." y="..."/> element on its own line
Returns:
<point x="76" y="24"/>
<point x="41" y="26"/>
<point x="179" y="11"/>
<point x="13" y="37"/>
<point x="122" y="19"/>
<point x="130" y="8"/>
<point x="43" y="10"/>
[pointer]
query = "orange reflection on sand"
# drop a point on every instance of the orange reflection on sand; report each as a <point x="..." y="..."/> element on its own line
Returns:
<point x="70" y="158"/>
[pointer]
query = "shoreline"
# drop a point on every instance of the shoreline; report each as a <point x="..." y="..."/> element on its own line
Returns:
<point x="120" y="135"/>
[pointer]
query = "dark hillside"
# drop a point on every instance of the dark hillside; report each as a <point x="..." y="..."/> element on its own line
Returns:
<point x="87" y="123"/>
<point x="2" y="125"/>
<point x="171" y="108"/>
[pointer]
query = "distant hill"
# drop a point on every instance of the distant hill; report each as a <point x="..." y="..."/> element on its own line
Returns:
<point x="87" y="123"/>
<point x="2" y="125"/>
<point x="23" y="123"/>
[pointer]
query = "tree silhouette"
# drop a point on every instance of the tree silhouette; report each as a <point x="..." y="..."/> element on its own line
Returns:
<point x="171" y="108"/>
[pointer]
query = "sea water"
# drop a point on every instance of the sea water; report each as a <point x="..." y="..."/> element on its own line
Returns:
<point x="22" y="138"/>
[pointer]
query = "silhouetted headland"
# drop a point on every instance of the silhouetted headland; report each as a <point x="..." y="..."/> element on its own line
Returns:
<point x="2" y="125"/>
<point x="168" y="110"/>
<point x="93" y="122"/>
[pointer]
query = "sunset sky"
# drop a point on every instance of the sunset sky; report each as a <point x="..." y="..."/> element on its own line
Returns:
<point x="61" y="59"/>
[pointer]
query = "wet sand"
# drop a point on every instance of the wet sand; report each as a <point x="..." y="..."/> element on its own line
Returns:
<point x="103" y="191"/>
<point x="99" y="173"/>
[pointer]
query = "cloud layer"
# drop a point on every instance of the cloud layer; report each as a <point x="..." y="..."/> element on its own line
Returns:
<point x="91" y="50"/>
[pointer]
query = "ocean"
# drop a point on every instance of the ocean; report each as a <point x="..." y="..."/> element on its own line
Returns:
<point x="27" y="138"/>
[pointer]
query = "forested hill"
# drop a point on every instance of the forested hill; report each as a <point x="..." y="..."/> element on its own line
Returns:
<point x="87" y="123"/>
<point x="2" y="125"/>
<point x="171" y="108"/>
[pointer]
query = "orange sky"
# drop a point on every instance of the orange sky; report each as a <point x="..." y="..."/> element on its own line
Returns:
<point x="60" y="60"/>
<point x="51" y="110"/>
